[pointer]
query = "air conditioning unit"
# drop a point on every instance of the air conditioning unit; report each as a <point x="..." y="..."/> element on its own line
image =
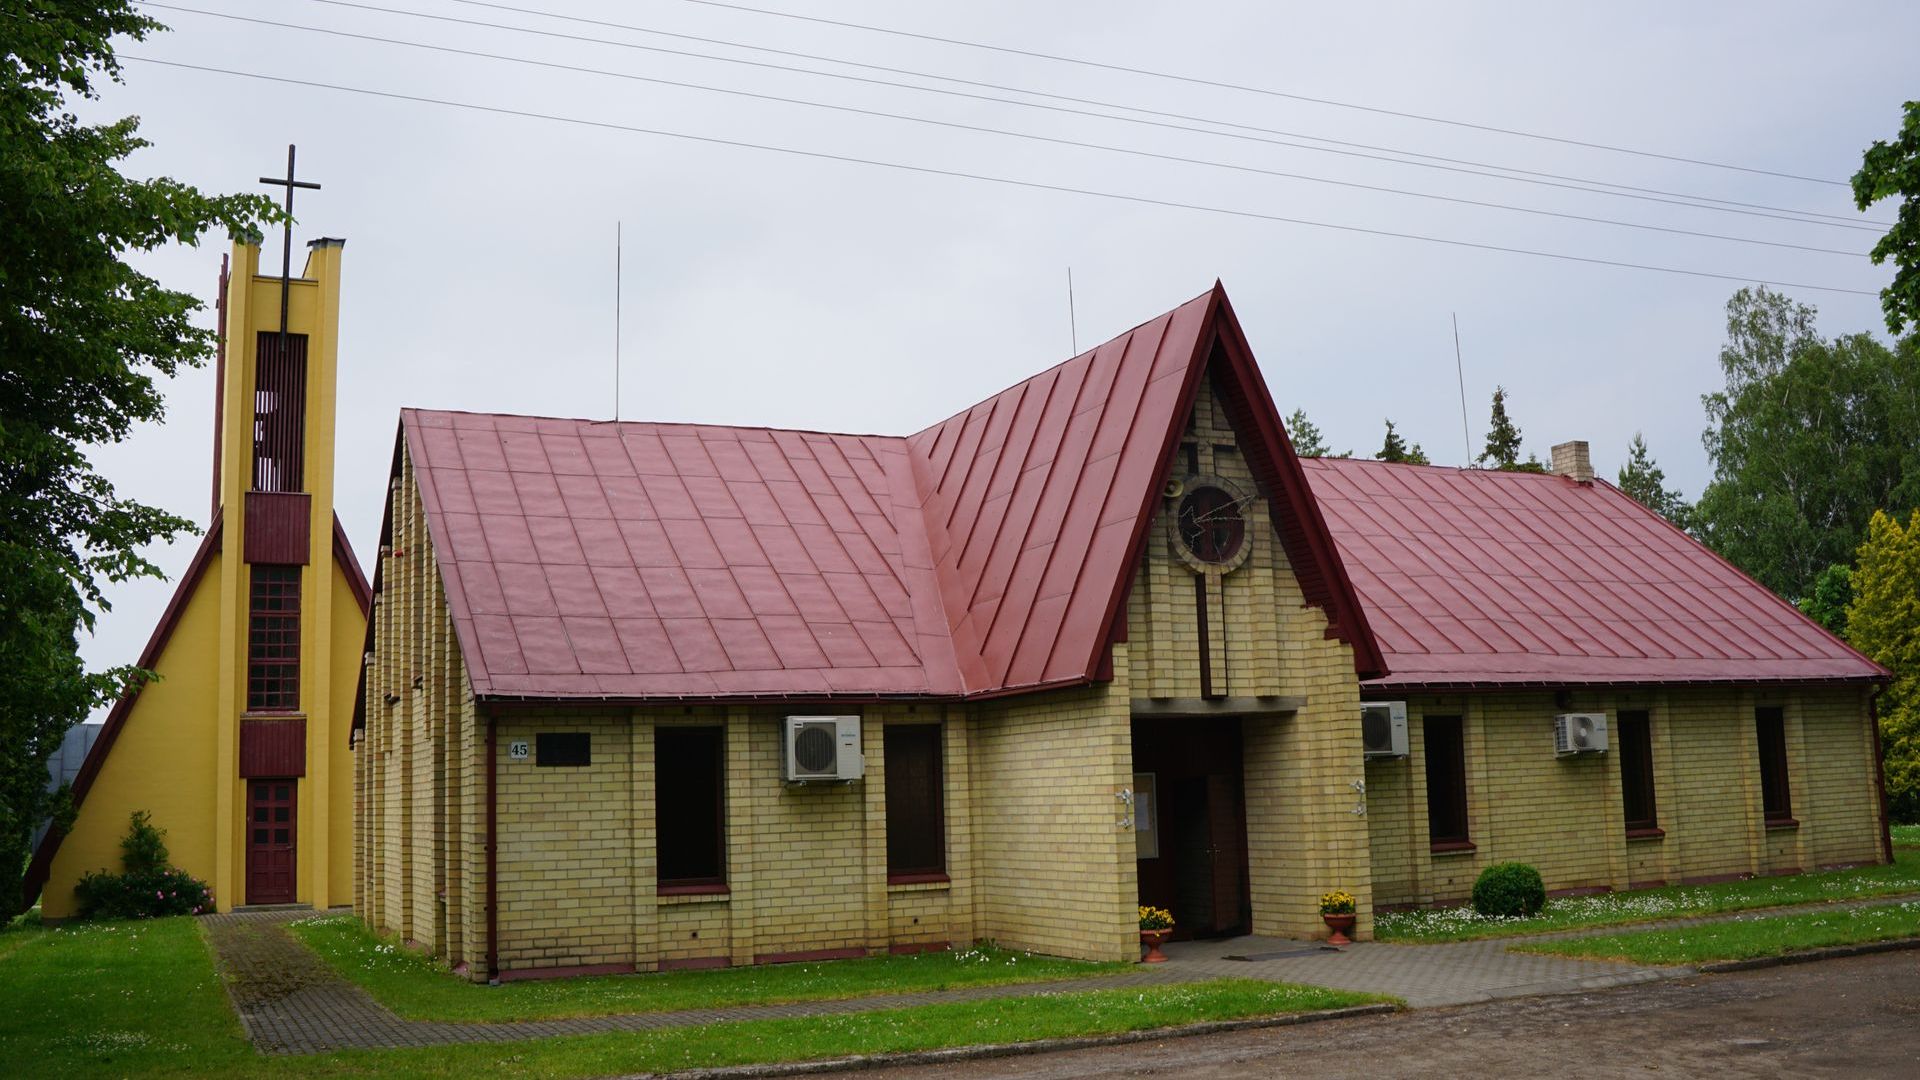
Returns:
<point x="1580" y="733"/>
<point x="824" y="749"/>
<point x="1383" y="728"/>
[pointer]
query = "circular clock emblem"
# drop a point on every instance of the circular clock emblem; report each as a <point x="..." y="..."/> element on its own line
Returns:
<point x="1211" y="526"/>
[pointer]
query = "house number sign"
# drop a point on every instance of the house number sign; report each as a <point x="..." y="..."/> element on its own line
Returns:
<point x="517" y="750"/>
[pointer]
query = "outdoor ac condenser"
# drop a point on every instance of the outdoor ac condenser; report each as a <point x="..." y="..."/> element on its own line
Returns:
<point x="1383" y="728"/>
<point x="824" y="749"/>
<point x="1580" y="733"/>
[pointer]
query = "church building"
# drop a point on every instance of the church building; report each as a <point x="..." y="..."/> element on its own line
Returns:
<point x="239" y="747"/>
<point x="648" y="696"/>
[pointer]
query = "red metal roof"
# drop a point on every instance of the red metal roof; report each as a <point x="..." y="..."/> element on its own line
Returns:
<point x="987" y="554"/>
<point x="1480" y="578"/>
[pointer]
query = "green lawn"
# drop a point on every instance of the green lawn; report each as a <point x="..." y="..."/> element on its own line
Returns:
<point x="1671" y="902"/>
<point x="417" y="988"/>
<point x="1744" y="939"/>
<point x="141" y="999"/>
<point x="1906" y="835"/>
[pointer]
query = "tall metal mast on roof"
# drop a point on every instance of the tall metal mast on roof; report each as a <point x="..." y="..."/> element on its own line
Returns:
<point x="286" y="244"/>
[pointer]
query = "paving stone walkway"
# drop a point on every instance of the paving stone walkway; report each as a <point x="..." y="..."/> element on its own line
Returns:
<point x="291" y="1001"/>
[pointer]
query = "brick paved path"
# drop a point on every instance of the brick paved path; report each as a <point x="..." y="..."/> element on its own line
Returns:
<point x="291" y="1001"/>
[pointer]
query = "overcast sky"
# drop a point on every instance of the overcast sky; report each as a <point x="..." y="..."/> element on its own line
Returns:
<point x="768" y="288"/>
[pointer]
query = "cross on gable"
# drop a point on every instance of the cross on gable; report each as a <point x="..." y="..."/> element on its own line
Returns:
<point x="286" y="245"/>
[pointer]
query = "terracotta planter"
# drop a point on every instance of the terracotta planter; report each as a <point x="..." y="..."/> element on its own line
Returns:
<point x="1153" y="939"/>
<point x="1338" y="927"/>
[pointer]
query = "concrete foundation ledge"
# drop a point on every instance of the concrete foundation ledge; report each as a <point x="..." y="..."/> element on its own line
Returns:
<point x="1041" y="1046"/>
<point x="1808" y="956"/>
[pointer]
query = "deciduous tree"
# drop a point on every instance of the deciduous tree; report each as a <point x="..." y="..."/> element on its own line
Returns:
<point x="1891" y="170"/>
<point x="1808" y="439"/>
<point x="84" y="341"/>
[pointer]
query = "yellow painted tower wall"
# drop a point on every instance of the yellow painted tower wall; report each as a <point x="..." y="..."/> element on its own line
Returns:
<point x="175" y="750"/>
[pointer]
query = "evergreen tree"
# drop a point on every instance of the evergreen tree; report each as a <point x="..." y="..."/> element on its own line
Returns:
<point x="1306" y="438"/>
<point x="1397" y="449"/>
<point x="85" y="339"/>
<point x="1503" y="440"/>
<point x="1883" y="621"/>
<point x="1647" y="483"/>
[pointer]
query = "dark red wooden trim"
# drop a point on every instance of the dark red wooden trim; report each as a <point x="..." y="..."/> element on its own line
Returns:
<point x="1449" y="847"/>
<point x="709" y="889"/>
<point x="1717" y="879"/>
<point x="575" y="971"/>
<point x="1202" y="617"/>
<point x="273" y="748"/>
<point x="934" y="877"/>
<point x="1651" y="833"/>
<point x="1788" y="871"/>
<point x="278" y="527"/>
<point x="1782" y="823"/>
<point x="807" y="956"/>
<point x="1579" y="890"/>
<point x="42" y="864"/>
<point x="695" y="963"/>
<point x="1650" y="883"/>
<point x="350" y="565"/>
<point x="909" y="948"/>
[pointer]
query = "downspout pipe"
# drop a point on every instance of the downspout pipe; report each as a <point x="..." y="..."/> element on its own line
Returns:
<point x="492" y="850"/>
<point x="1880" y="773"/>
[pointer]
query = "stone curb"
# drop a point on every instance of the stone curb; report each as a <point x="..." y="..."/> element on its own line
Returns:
<point x="1808" y="956"/>
<point x="1038" y="1046"/>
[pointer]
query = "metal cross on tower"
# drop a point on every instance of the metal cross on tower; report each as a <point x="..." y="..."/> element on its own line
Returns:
<point x="286" y="248"/>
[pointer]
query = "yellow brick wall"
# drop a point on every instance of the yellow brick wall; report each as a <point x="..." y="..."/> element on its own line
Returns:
<point x="1564" y="815"/>
<point x="1053" y="868"/>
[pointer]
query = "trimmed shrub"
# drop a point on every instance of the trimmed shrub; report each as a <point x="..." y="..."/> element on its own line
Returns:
<point x="149" y="894"/>
<point x="149" y="888"/>
<point x="1508" y="890"/>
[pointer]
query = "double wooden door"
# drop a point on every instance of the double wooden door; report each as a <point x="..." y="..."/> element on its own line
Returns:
<point x="272" y="825"/>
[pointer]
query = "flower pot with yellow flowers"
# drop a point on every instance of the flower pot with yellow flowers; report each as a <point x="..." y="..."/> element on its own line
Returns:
<point x="1155" y="925"/>
<point x="1337" y="911"/>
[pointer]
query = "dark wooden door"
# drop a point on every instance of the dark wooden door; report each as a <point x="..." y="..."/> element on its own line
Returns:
<point x="271" y="827"/>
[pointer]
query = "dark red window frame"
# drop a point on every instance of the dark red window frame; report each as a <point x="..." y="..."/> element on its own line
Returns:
<point x="690" y="808"/>
<point x="273" y="639"/>
<point x="916" y="827"/>
<point x="1634" y="743"/>
<point x="1446" y="753"/>
<point x="1776" y="789"/>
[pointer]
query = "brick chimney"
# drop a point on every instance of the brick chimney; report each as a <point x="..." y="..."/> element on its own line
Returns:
<point x="1571" y="460"/>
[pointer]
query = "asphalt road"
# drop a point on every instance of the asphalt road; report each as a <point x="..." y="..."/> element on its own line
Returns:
<point x="1858" y="1017"/>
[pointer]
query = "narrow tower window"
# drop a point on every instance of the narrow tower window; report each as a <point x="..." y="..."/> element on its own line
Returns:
<point x="273" y="639"/>
<point x="279" y="411"/>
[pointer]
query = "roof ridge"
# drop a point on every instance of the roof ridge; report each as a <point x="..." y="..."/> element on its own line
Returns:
<point x="414" y="410"/>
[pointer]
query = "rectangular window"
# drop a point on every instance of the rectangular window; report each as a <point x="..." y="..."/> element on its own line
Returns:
<point x="273" y="639"/>
<point x="916" y="836"/>
<point x="551" y="748"/>
<point x="1770" y="724"/>
<point x="1634" y="741"/>
<point x="690" y="807"/>
<point x="279" y="411"/>
<point x="1446" y="750"/>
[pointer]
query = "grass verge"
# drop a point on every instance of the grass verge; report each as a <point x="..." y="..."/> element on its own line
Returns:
<point x="418" y="988"/>
<point x="1744" y="939"/>
<point x="141" y="999"/>
<point x="1671" y="902"/>
<point x="1906" y="835"/>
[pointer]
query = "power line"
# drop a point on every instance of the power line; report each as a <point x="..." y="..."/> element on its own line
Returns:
<point x="1055" y="140"/>
<point x="1428" y="161"/>
<point x="1267" y="91"/>
<point x="982" y="177"/>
